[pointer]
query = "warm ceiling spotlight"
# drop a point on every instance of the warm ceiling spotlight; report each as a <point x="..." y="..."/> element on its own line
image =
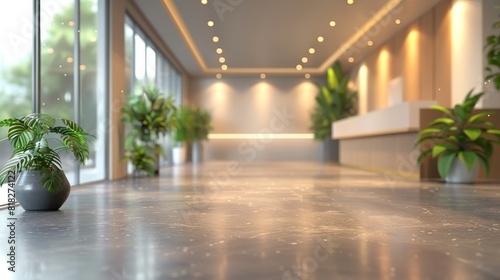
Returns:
<point x="51" y="50"/>
<point x="397" y="21"/>
<point x="204" y="2"/>
<point x="262" y="76"/>
<point x="350" y="2"/>
<point x="224" y="67"/>
<point x="210" y="23"/>
<point x="71" y="23"/>
<point x="312" y="50"/>
<point x="333" y="23"/>
<point x="308" y="76"/>
<point x="83" y="67"/>
<point x="369" y="43"/>
<point x="222" y="59"/>
<point x="215" y="39"/>
<point x="305" y="59"/>
<point x="350" y="59"/>
<point x="69" y="59"/>
<point x="219" y="50"/>
<point x="218" y="76"/>
<point x="298" y="67"/>
<point x="321" y="39"/>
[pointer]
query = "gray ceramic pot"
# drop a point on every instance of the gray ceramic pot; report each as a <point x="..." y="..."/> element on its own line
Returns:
<point x="32" y="196"/>
<point x="460" y="174"/>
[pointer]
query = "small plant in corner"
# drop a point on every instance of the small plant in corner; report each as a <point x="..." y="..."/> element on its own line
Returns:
<point x="459" y="135"/>
<point x="31" y="136"/>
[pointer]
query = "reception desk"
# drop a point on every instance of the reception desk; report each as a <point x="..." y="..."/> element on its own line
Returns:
<point x="382" y="140"/>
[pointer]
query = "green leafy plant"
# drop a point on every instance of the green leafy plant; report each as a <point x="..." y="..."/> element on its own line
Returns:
<point x="29" y="136"/>
<point x="193" y="124"/>
<point x="334" y="101"/>
<point x="459" y="134"/>
<point x="150" y="115"/>
<point x="493" y="56"/>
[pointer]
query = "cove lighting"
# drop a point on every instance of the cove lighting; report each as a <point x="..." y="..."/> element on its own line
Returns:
<point x="262" y="136"/>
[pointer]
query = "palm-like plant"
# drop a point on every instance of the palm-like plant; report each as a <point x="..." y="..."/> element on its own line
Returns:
<point x="459" y="134"/>
<point x="334" y="101"/>
<point x="30" y="135"/>
<point x="150" y="116"/>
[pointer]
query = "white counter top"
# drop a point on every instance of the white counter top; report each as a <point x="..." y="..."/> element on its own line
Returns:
<point x="400" y="118"/>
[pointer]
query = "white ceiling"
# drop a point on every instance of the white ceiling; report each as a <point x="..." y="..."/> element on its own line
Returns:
<point x="272" y="36"/>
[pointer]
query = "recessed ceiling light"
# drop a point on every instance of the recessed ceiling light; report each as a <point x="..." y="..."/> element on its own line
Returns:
<point x="262" y="76"/>
<point x="308" y="76"/>
<point x="305" y="59"/>
<point x="224" y="67"/>
<point x="312" y="50"/>
<point x="215" y="39"/>
<point x="370" y="43"/>
<point x="218" y="76"/>
<point x="321" y="39"/>
<point x="219" y="50"/>
<point x="210" y="23"/>
<point x="333" y="23"/>
<point x="350" y="2"/>
<point x="298" y="67"/>
<point x="350" y="59"/>
<point x="222" y="59"/>
<point x="204" y="2"/>
<point x="397" y="21"/>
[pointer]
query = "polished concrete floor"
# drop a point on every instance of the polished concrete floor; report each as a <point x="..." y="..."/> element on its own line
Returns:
<point x="262" y="221"/>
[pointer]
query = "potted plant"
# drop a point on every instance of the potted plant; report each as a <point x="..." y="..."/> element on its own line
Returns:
<point x="334" y="101"/>
<point x="493" y="57"/>
<point x="150" y="116"/>
<point x="42" y="184"/>
<point x="460" y="139"/>
<point x="193" y="125"/>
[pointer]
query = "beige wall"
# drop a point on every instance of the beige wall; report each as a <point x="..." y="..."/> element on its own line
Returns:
<point x="250" y="105"/>
<point x="419" y="55"/>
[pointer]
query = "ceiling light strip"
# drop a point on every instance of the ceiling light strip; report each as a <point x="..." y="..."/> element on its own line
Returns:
<point x="386" y="9"/>
<point x="179" y="23"/>
<point x="287" y="136"/>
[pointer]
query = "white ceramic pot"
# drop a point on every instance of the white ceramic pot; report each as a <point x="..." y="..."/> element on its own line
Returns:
<point x="460" y="174"/>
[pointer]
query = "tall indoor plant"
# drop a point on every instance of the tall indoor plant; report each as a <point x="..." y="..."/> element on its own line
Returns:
<point x="150" y="116"/>
<point x="460" y="139"/>
<point x="334" y="101"/>
<point x="42" y="184"/>
<point x="493" y="56"/>
<point x="193" y="126"/>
